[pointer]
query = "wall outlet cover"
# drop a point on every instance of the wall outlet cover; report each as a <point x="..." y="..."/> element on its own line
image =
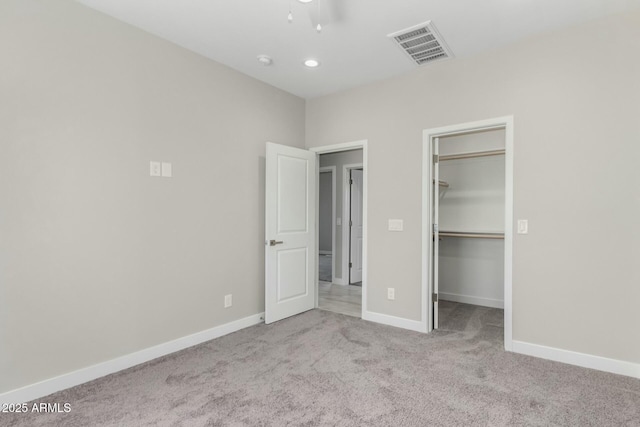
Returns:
<point x="228" y="301"/>
<point x="391" y="293"/>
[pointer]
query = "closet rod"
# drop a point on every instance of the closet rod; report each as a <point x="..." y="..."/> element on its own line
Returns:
<point x="472" y="235"/>
<point x="472" y="155"/>
<point x="442" y="183"/>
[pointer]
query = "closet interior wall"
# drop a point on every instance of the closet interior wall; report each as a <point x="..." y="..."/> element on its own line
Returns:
<point x="471" y="269"/>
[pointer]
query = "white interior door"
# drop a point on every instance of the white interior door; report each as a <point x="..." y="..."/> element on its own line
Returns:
<point x="436" y="230"/>
<point x="290" y="254"/>
<point x="355" y="272"/>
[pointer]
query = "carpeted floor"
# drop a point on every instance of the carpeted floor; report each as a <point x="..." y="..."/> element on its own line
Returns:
<point x="322" y="368"/>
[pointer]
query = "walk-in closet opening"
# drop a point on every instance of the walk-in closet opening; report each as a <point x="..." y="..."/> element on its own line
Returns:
<point x="469" y="199"/>
<point x="470" y="218"/>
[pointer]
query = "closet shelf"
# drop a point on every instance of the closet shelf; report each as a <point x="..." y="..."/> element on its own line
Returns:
<point x="471" y="155"/>
<point x="472" y="235"/>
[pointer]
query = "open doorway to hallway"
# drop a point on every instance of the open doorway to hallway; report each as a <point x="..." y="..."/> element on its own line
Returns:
<point x="340" y="243"/>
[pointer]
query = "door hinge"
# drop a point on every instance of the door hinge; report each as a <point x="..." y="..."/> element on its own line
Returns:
<point x="350" y="264"/>
<point x="436" y="158"/>
<point x="351" y="181"/>
<point x="435" y="228"/>
<point x="435" y="297"/>
<point x="350" y="223"/>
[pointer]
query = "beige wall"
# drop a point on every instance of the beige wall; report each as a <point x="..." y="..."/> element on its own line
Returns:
<point x="97" y="259"/>
<point x="575" y="97"/>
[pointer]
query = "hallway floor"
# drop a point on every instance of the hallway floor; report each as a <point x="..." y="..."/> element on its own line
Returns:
<point x="340" y="299"/>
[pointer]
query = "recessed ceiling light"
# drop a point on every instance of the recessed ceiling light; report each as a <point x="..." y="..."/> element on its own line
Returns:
<point x="265" y="60"/>
<point x="305" y="1"/>
<point x="311" y="63"/>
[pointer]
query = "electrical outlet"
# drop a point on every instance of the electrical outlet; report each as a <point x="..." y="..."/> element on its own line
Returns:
<point x="228" y="302"/>
<point x="391" y="293"/>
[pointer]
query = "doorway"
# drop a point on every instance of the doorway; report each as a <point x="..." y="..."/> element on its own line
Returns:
<point x="468" y="220"/>
<point x="340" y="295"/>
<point x="291" y="231"/>
<point x="342" y="291"/>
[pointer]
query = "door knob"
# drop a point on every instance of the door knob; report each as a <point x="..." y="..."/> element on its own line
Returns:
<point x="273" y="243"/>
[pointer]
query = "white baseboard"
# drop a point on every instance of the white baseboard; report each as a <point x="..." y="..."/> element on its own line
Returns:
<point x="71" y="379"/>
<point x="339" y="281"/>
<point x="468" y="299"/>
<point x="398" y="322"/>
<point x="613" y="366"/>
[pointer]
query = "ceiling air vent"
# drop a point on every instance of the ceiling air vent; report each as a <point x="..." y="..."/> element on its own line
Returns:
<point x="422" y="43"/>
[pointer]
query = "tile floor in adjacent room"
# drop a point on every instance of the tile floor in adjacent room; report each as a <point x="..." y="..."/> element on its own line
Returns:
<point x="340" y="298"/>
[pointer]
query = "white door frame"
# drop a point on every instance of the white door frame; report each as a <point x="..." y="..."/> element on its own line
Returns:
<point x="505" y="123"/>
<point x="336" y="148"/>
<point x="346" y="214"/>
<point x="435" y="219"/>
<point x="331" y="169"/>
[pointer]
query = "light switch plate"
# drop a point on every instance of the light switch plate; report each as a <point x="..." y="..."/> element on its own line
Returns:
<point x="154" y="168"/>
<point x="396" y="225"/>
<point x="228" y="301"/>
<point x="523" y="226"/>
<point x="166" y="170"/>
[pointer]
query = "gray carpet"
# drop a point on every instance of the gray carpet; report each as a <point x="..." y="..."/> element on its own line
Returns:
<point x="322" y="368"/>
